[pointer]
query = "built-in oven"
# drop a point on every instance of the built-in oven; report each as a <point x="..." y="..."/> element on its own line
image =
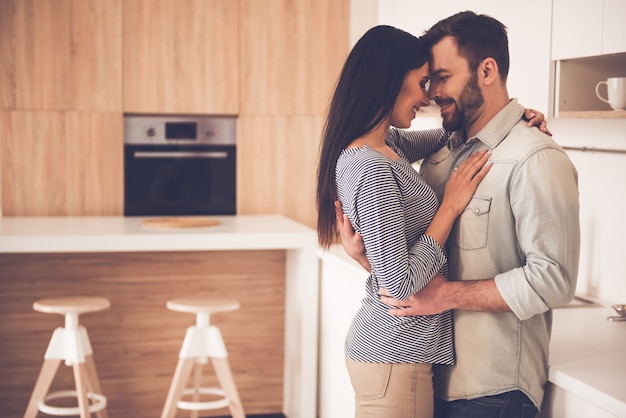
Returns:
<point x="179" y="165"/>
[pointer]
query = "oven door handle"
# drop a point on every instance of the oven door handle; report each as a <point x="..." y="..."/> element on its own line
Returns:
<point x="181" y="154"/>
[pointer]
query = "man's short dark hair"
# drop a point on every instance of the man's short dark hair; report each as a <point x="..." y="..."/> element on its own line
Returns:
<point x="477" y="37"/>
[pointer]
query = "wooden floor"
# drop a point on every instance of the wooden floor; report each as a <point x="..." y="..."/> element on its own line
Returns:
<point x="136" y="341"/>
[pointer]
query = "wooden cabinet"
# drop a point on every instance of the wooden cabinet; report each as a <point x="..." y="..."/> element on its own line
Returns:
<point x="291" y="54"/>
<point x="181" y="56"/>
<point x="277" y="164"/>
<point x="57" y="163"/>
<point x="60" y="55"/>
<point x="61" y="97"/>
<point x="272" y="62"/>
<point x="583" y="28"/>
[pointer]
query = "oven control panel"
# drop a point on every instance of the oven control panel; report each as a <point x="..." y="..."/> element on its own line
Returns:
<point x="179" y="130"/>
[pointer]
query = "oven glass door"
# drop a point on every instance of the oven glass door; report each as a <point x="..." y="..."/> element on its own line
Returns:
<point x="179" y="180"/>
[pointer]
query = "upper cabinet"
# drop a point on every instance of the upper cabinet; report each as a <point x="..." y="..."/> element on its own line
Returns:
<point x="181" y="56"/>
<point x="291" y="54"/>
<point x="60" y="55"/>
<point x="583" y="28"/>
<point x="588" y="46"/>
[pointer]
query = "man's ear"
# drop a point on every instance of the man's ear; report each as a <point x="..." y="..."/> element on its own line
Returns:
<point x="488" y="71"/>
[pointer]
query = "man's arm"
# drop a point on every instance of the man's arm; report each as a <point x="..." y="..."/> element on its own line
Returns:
<point x="441" y="295"/>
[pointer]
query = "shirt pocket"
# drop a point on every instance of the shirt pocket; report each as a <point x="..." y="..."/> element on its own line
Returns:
<point x="473" y="224"/>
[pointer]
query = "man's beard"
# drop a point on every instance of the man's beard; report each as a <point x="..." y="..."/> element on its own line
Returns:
<point x="470" y="100"/>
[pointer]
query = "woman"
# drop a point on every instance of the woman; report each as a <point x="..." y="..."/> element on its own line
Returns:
<point x="365" y="163"/>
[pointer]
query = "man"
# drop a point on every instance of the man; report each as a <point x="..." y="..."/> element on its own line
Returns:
<point x="513" y="253"/>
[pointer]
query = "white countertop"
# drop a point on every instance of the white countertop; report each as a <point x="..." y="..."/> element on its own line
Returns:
<point x="588" y="357"/>
<point x="117" y="233"/>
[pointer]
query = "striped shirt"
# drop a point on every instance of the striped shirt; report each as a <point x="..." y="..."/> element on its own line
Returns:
<point x="391" y="205"/>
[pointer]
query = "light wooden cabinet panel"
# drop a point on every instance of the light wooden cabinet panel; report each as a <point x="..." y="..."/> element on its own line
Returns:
<point x="291" y="54"/>
<point x="61" y="163"/>
<point x="181" y="56"/>
<point x="277" y="165"/>
<point x="60" y="55"/>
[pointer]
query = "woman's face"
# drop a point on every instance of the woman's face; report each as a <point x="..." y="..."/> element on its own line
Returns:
<point x="412" y="96"/>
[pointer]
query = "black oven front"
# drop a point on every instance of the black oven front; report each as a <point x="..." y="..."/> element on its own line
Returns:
<point x="179" y="166"/>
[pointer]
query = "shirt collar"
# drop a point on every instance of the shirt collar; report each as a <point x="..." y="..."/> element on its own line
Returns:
<point x="495" y="131"/>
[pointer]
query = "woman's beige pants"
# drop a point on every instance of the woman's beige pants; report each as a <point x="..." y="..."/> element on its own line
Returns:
<point x="383" y="390"/>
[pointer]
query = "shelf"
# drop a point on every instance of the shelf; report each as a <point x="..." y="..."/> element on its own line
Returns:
<point x="593" y="114"/>
<point x="575" y="86"/>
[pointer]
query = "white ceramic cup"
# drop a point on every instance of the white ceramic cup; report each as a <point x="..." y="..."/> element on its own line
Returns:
<point x="616" y="89"/>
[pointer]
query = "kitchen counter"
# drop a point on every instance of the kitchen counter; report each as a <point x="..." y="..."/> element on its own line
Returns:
<point x="31" y="236"/>
<point x="115" y="233"/>
<point x="587" y="357"/>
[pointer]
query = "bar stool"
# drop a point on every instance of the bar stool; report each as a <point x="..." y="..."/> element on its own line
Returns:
<point x="202" y="341"/>
<point x="71" y="344"/>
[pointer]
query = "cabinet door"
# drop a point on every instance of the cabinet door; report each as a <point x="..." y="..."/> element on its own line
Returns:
<point x="61" y="54"/>
<point x="291" y="54"/>
<point x="576" y="28"/>
<point x="276" y="165"/>
<point x="180" y="56"/>
<point x="61" y="163"/>
<point x="614" y="27"/>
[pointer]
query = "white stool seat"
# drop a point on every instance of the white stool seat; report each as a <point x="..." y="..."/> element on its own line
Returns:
<point x="202" y="305"/>
<point x="70" y="344"/>
<point x="77" y="305"/>
<point x="202" y="342"/>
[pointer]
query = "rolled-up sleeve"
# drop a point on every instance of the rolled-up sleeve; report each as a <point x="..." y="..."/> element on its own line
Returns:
<point x="545" y="203"/>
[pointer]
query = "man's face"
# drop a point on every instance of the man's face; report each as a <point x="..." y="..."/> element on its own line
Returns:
<point x="453" y="86"/>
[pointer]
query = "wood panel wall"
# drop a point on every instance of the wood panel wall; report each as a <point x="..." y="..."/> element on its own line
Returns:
<point x="181" y="56"/>
<point x="136" y="341"/>
<point x="61" y="55"/>
<point x="275" y="61"/>
<point x="291" y="56"/>
<point x="61" y="163"/>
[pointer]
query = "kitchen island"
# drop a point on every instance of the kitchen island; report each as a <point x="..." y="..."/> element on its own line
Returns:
<point x="269" y="263"/>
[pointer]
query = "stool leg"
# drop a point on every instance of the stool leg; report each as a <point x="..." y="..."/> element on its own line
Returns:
<point x="44" y="380"/>
<point x="225" y="377"/>
<point x="93" y="382"/>
<point x="80" y="379"/>
<point x="197" y="382"/>
<point x="181" y="375"/>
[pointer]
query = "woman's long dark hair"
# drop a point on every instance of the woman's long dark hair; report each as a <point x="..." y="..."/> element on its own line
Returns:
<point x="365" y="94"/>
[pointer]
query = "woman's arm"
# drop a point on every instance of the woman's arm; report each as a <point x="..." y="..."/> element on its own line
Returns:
<point x="417" y="144"/>
<point x="401" y="270"/>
